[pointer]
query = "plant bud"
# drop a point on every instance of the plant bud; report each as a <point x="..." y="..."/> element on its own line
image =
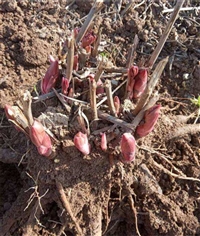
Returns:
<point x="140" y="83"/>
<point x="49" y="80"/>
<point x="100" y="88"/>
<point x="9" y="112"/>
<point x="88" y="39"/>
<point x="103" y="142"/>
<point x="65" y="85"/>
<point x="81" y="143"/>
<point x="117" y="104"/>
<point x="40" y="139"/>
<point x="150" y="119"/>
<point x="132" y="72"/>
<point x="75" y="66"/>
<point x="128" y="147"/>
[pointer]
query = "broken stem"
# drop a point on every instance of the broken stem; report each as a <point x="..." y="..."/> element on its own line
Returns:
<point x="70" y="58"/>
<point x="108" y="88"/>
<point x="165" y="35"/>
<point x="26" y="101"/>
<point x="114" y="120"/>
<point x="105" y="98"/>
<point x="99" y="71"/>
<point x="93" y="99"/>
<point x="92" y="14"/>
<point x="132" y="50"/>
<point x="96" y="44"/>
<point x="151" y="85"/>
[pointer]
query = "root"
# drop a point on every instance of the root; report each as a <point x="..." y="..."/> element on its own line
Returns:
<point x="162" y="168"/>
<point x="134" y="212"/>
<point x="67" y="207"/>
<point x="187" y="129"/>
<point x="33" y="218"/>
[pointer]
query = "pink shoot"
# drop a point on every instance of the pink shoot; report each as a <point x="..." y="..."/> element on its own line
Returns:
<point x="150" y="119"/>
<point x="140" y="83"/>
<point x="117" y="104"/>
<point x="49" y="80"/>
<point x="9" y="112"/>
<point x="100" y="88"/>
<point x="103" y="142"/>
<point x="75" y="66"/>
<point x="40" y="139"/>
<point x="128" y="147"/>
<point x="88" y="39"/>
<point x="81" y="143"/>
<point x="132" y="72"/>
<point x="65" y="85"/>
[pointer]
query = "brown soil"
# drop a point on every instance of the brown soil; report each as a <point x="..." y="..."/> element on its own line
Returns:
<point x="160" y="190"/>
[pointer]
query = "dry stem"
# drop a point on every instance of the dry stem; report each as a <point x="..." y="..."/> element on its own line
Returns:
<point x="67" y="207"/>
<point x="132" y="50"/>
<point x="93" y="99"/>
<point x="96" y="44"/>
<point x="151" y="85"/>
<point x="108" y="88"/>
<point x="26" y="101"/>
<point x="165" y="35"/>
<point x="99" y="71"/>
<point x="115" y="120"/>
<point x="70" y="58"/>
<point x="92" y="14"/>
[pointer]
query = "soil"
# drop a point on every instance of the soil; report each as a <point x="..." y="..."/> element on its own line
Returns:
<point x="159" y="192"/>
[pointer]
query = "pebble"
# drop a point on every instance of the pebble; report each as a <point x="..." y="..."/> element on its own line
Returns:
<point x="6" y="206"/>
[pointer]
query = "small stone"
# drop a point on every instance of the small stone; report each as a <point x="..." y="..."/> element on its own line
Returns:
<point x="6" y="206"/>
<point x="186" y="76"/>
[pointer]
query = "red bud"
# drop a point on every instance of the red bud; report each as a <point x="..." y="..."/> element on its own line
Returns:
<point x="140" y="83"/>
<point x="132" y="72"/>
<point x="49" y="80"/>
<point x="75" y="66"/>
<point x="65" y="85"/>
<point x="81" y="143"/>
<point x="9" y="112"/>
<point x="128" y="147"/>
<point x="88" y="39"/>
<point x="150" y="119"/>
<point x="103" y="142"/>
<point x="40" y="139"/>
<point x="100" y="88"/>
<point x="117" y="104"/>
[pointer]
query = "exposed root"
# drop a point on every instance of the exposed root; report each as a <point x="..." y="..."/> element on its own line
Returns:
<point x="134" y="212"/>
<point x="162" y="168"/>
<point x="35" y="194"/>
<point x="32" y="220"/>
<point x="67" y="207"/>
<point x="187" y="129"/>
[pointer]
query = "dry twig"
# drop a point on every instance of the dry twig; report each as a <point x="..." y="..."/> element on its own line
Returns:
<point x="110" y="97"/>
<point x="165" y="35"/>
<point x="151" y="85"/>
<point x="27" y="101"/>
<point x="92" y="14"/>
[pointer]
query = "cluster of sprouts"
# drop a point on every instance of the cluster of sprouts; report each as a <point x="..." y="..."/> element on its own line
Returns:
<point x="96" y="85"/>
